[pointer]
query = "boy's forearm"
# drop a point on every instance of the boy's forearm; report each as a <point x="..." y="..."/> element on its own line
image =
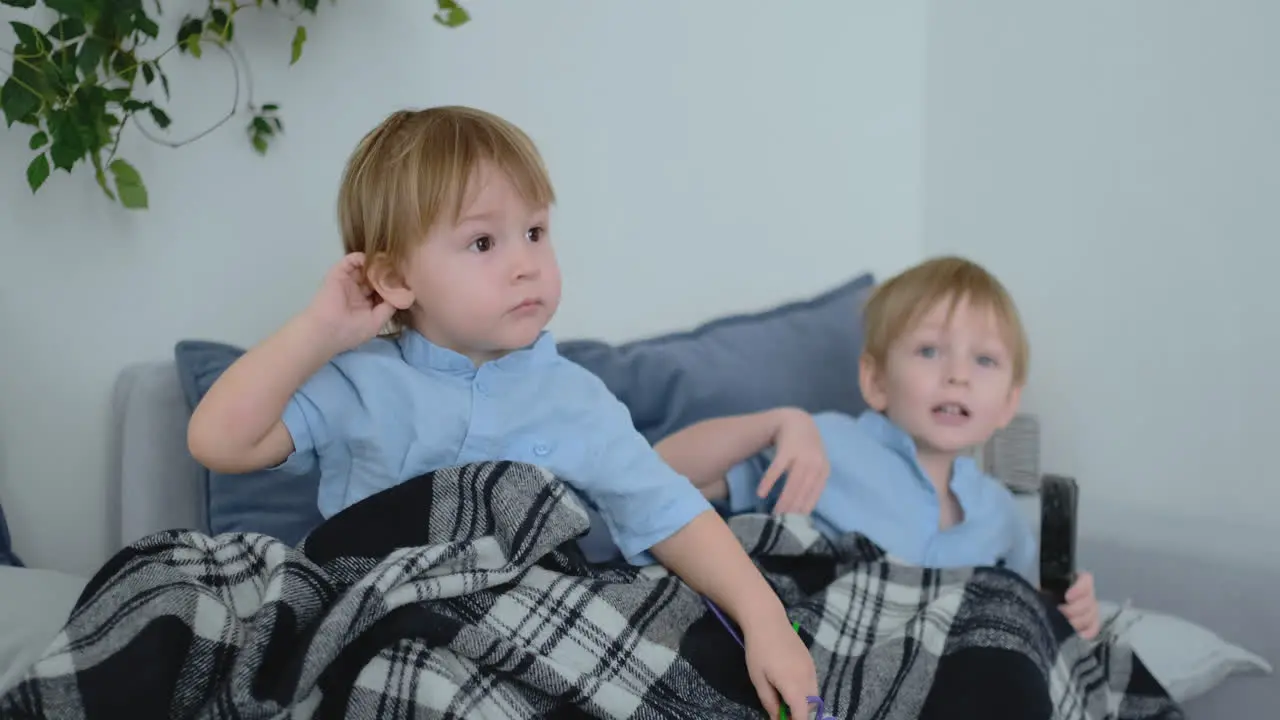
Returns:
<point x="247" y="401"/>
<point x="705" y="451"/>
<point x="707" y="556"/>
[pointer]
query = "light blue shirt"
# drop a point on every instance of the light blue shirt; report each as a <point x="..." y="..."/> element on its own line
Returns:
<point x="878" y="488"/>
<point x="395" y="409"/>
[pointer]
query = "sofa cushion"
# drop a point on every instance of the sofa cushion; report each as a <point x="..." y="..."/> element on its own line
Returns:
<point x="272" y="502"/>
<point x="801" y="354"/>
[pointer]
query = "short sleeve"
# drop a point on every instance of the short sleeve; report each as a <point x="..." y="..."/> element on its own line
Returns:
<point x="313" y="415"/>
<point x="641" y="499"/>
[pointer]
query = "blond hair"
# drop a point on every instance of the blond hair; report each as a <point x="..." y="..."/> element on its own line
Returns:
<point x="416" y="168"/>
<point x="897" y="305"/>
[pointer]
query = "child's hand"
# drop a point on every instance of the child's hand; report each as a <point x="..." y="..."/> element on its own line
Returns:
<point x="799" y="453"/>
<point x="779" y="664"/>
<point x="1081" y="607"/>
<point x="346" y="308"/>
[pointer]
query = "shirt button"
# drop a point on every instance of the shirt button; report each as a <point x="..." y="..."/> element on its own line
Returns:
<point x="541" y="449"/>
<point x="481" y="388"/>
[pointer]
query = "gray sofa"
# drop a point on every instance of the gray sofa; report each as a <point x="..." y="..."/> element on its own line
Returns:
<point x="160" y="488"/>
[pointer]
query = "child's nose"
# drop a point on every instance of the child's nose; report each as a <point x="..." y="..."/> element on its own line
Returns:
<point x="525" y="265"/>
<point x="957" y="373"/>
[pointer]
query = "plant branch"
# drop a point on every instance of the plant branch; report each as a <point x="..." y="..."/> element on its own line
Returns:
<point x="74" y="82"/>
<point x="235" y="107"/>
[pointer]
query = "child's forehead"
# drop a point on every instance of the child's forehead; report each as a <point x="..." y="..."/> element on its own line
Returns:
<point x="490" y="189"/>
<point x="951" y="314"/>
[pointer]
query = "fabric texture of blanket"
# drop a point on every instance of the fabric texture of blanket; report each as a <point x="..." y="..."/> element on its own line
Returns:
<point x="461" y="594"/>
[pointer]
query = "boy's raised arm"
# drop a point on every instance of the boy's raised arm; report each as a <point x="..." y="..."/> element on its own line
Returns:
<point x="238" y="427"/>
<point x="706" y="451"/>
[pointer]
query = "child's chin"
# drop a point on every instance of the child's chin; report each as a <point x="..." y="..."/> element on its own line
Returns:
<point x="953" y="442"/>
<point x="518" y="340"/>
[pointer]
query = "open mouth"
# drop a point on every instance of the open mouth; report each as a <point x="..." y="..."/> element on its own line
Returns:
<point x="951" y="410"/>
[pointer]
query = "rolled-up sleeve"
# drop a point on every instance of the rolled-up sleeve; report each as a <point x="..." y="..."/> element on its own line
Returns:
<point x="310" y="417"/>
<point x="641" y="499"/>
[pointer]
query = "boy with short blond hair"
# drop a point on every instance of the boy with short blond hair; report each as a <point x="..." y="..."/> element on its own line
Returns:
<point x="944" y="362"/>
<point x="445" y="220"/>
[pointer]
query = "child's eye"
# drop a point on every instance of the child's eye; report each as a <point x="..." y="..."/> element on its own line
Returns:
<point x="927" y="351"/>
<point x="535" y="233"/>
<point x="482" y="244"/>
<point x="988" y="361"/>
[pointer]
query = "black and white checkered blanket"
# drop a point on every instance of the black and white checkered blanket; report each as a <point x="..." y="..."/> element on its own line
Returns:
<point x="461" y="595"/>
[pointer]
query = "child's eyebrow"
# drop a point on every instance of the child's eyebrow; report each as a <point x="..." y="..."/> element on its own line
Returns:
<point x="477" y="217"/>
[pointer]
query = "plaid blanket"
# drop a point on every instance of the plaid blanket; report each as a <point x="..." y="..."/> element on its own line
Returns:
<point x="461" y="594"/>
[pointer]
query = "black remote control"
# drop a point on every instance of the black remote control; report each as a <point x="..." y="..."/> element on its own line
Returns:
<point x="1058" y="504"/>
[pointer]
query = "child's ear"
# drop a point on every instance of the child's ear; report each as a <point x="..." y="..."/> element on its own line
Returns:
<point x="872" y="384"/>
<point x="387" y="280"/>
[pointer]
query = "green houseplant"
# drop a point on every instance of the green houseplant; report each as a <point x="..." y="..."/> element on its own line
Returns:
<point x="96" y="67"/>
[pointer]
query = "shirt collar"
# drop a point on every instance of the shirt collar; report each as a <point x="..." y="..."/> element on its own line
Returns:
<point x="887" y="433"/>
<point x="423" y="354"/>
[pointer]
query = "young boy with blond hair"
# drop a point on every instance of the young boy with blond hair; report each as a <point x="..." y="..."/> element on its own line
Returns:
<point x="944" y="362"/>
<point x="445" y="220"/>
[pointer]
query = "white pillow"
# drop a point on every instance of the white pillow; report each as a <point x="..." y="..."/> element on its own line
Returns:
<point x="1187" y="659"/>
<point x="34" y="605"/>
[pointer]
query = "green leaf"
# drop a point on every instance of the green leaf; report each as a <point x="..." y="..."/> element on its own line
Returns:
<point x="133" y="194"/>
<point x="92" y="50"/>
<point x="50" y="80"/>
<point x="124" y="173"/>
<point x="451" y="14"/>
<point x="39" y="140"/>
<point x="299" y="39"/>
<point x="18" y="103"/>
<point x="147" y="26"/>
<point x="68" y="142"/>
<point x="190" y="26"/>
<point x="74" y="8"/>
<point x="125" y="65"/>
<point x="164" y="81"/>
<point x="38" y="171"/>
<point x="270" y="107"/>
<point x="30" y="40"/>
<point x="189" y="35"/>
<point x="161" y="118"/>
<point x="148" y="74"/>
<point x="67" y="29"/>
<point x="259" y="144"/>
<point x="133" y="197"/>
<point x="221" y="25"/>
<point x="19" y="3"/>
<point x="66" y="61"/>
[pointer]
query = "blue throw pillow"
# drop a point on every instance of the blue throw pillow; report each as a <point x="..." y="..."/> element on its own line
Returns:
<point x="7" y="555"/>
<point x="801" y="354"/>
<point x="279" y="504"/>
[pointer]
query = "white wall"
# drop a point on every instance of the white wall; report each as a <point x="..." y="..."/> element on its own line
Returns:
<point x="1118" y="165"/>
<point x="710" y="156"/>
